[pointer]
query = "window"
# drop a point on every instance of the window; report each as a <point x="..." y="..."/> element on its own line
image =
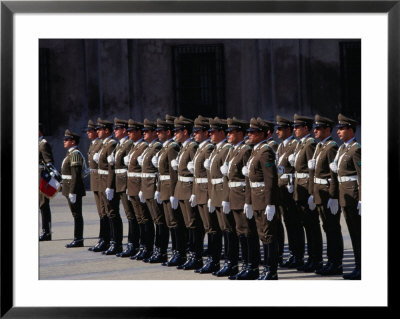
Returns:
<point x="199" y="80"/>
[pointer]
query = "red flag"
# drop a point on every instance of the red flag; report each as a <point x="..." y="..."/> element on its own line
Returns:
<point x="48" y="185"/>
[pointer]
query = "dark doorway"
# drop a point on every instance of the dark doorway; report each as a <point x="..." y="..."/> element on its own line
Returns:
<point x="199" y="80"/>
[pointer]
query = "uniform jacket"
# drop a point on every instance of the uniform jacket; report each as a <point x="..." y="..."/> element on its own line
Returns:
<point x="303" y="153"/>
<point x="46" y="156"/>
<point x="120" y="151"/>
<point x="72" y="166"/>
<point x="201" y="189"/>
<point x="169" y="151"/>
<point x="183" y="190"/>
<point x="107" y="181"/>
<point x="282" y="162"/>
<point x="95" y="147"/>
<point x="148" y="185"/>
<point x="325" y="154"/>
<point x="273" y="144"/>
<point x="349" y="164"/>
<point x="236" y="160"/>
<point x="134" y="183"/>
<point x="218" y="192"/>
<point x="261" y="166"/>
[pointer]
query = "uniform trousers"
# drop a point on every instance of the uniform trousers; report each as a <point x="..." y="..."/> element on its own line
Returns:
<point x="353" y="221"/>
<point x="190" y="214"/>
<point x="141" y="210"/>
<point x="332" y="229"/>
<point x="45" y="214"/>
<point x="173" y="217"/>
<point x="293" y="223"/>
<point x="210" y="220"/>
<point x="310" y="221"/>
<point x="76" y="211"/>
<point x="101" y="210"/>
<point x="114" y="217"/>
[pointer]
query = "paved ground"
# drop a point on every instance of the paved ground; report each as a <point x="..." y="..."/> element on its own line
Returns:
<point x="58" y="262"/>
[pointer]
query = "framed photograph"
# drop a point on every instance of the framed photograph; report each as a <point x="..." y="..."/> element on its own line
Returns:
<point x="28" y="28"/>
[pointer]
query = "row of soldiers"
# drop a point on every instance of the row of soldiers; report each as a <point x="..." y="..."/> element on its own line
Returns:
<point x="225" y="178"/>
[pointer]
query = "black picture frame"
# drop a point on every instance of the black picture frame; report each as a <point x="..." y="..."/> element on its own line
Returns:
<point x="9" y="8"/>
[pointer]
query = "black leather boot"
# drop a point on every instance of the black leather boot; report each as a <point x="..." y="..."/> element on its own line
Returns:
<point x="251" y="272"/>
<point x="245" y="257"/>
<point x="179" y="257"/>
<point x="44" y="236"/>
<point x="212" y="264"/>
<point x="133" y="239"/>
<point x="161" y="255"/>
<point x="116" y="235"/>
<point x="268" y="274"/>
<point x="142" y="240"/>
<point x="230" y="267"/>
<point x="331" y="269"/>
<point x="354" y="275"/>
<point x="104" y="236"/>
<point x="46" y="222"/>
<point x="148" y="229"/>
<point x="78" y="234"/>
<point x="196" y="240"/>
<point x="75" y="243"/>
<point x="270" y="261"/>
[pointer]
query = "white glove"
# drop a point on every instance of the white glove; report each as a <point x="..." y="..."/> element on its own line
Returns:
<point x="111" y="159"/>
<point x="142" y="200"/>
<point x="211" y="209"/>
<point x="359" y="208"/>
<point x="311" y="164"/>
<point x="226" y="207"/>
<point x="109" y="193"/>
<point x="72" y="198"/>
<point x="174" y="164"/>
<point x="127" y="160"/>
<point x="192" y="200"/>
<point x="154" y="161"/>
<point x="96" y="157"/>
<point x="291" y="159"/>
<point x="190" y="167"/>
<point x="333" y="205"/>
<point x="207" y="164"/>
<point x="290" y="188"/>
<point x="157" y="197"/>
<point x="140" y="160"/>
<point x="311" y="203"/>
<point x="174" y="202"/>
<point x="248" y="210"/>
<point x="245" y="171"/>
<point x="333" y="167"/>
<point x="224" y="169"/>
<point x="270" y="212"/>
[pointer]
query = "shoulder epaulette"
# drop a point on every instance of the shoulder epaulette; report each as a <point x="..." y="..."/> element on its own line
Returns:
<point x="228" y="145"/>
<point x="193" y="144"/>
<point x="332" y="143"/>
<point x="264" y="146"/>
<point x="43" y="141"/>
<point x="174" y="144"/>
<point x="210" y="145"/>
<point x="357" y="144"/>
<point x="311" y="140"/>
<point x="112" y="141"/>
<point x="76" y="158"/>
<point x="272" y="142"/>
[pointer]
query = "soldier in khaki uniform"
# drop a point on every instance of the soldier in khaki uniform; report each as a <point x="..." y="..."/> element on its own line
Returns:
<point x="106" y="170"/>
<point x="73" y="188"/>
<point x="325" y="193"/>
<point x="45" y="158"/>
<point x="95" y="146"/>
<point x="287" y="206"/>
<point x="219" y="196"/>
<point x="167" y="180"/>
<point x="121" y="178"/>
<point x="201" y="194"/>
<point x="142" y="213"/>
<point x="262" y="180"/>
<point x="246" y="228"/>
<point x="302" y="191"/>
<point x="148" y="193"/>
<point x="184" y="191"/>
<point x="347" y="164"/>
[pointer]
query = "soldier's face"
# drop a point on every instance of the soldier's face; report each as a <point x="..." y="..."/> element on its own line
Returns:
<point x="300" y="131"/>
<point x="149" y="135"/>
<point x="92" y="134"/>
<point x="101" y="133"/>
<point x="69" y="143"/>
<point x="120" y="132"/>
<point x="162" y="135"/>
<point x="235" y="136"/>
<point x="217" y="136"/>
<point x="180" y="136"/>
<point x="345" y="133"/>
<point x="135" y="135"/>
<point x="255" y="137"/>
<point x="321" y="132"/>
<point x="283" y="132"/>
<point x="200" y="136"/>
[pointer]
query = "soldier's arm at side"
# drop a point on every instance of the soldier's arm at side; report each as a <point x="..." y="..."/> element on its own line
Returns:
<point x="171" y="155"/>
<point x="310" y="149"/>
<point x="267" y="162"/>
<point x="111" y="168"/>
<point x="357" y="165"/>
<point x="76" y="171"/>
<point x="334" y="186"/>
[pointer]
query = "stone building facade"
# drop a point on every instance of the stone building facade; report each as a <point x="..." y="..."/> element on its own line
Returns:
<point x="83" y="79"/>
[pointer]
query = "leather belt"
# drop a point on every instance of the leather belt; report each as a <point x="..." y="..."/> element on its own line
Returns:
<point x="236" y="184"/>
<point x="185" y="179"/>
<point x="285" y="176"/>
<point x="201" y="180"/>
<point x="352" y="178"/>
<point x="121" y="171"/>
<point x="323" y="181"/>
<point x="102" y="172"/>
<point x="215" y="181"/>
<point x="301" y="175"/>
<point x="165" y="177"/>
<point x="149" y="175"/>
<point x="66" y="176"/>
<point x="257" y="184"/>
<point x="133" y="174"/>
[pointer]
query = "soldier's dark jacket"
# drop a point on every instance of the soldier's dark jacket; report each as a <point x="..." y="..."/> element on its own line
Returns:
<point x="121" y="150"/>
<point x="168" y="152"/>
<point x="95" y="147"/>
<point x="71" y="171"/>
